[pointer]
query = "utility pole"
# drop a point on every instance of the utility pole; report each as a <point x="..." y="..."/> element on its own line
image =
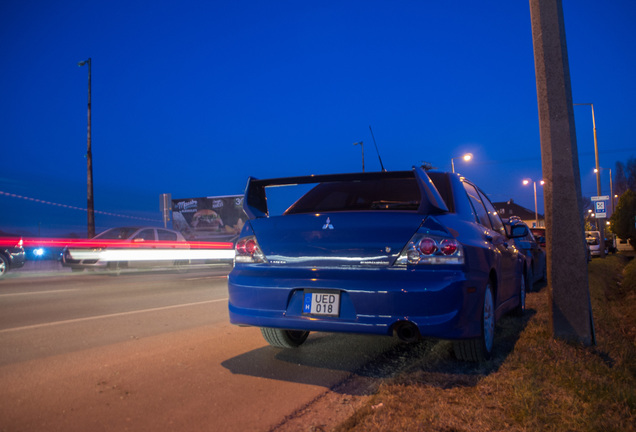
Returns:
<point x="361" y="144"/>
<point x="566" y="251"/>
<point x="89" y="161"/>
<point x="597" y="170"/>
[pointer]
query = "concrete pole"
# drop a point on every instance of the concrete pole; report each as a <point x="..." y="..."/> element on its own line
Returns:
<point x="565" y="246"/>
<point x="536" y="210"/>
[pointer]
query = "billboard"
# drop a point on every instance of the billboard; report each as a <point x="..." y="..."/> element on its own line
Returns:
<point x="216" y="218"/>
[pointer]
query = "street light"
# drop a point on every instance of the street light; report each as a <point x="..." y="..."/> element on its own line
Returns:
<point x="361" y="147"/>
<point x="466" y="157"/>
<point x="598" y="172"/>
<point x="89" y="159"/>
<point x="614" y="197"/>
<point x="536" y="211"/>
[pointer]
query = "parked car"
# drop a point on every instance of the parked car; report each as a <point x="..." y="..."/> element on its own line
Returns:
<point x="536" y="269"/>
<point x="406" y="253"/>
<point x="12" y="254"/>
<point x="622" y="245"/>
<point x="593" y="239"/>
<point x="125" y="247"/>
<point x="539" y="235"/>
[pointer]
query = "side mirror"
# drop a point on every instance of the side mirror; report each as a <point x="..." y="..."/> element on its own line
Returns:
<point x="517" y="231"/>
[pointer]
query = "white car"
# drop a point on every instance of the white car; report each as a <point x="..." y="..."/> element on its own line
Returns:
<point x="124" y="247"/>
<point x="593" y="239"/>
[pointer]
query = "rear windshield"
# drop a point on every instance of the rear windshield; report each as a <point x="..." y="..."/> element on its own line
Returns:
<point x="386" y="194"/>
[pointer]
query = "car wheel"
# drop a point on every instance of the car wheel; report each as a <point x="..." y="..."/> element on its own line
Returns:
<point x="480" y="349"/>
<point x="544" y="275"/>
<point x="4" y="266"/>
<point x="181" y="266"/>
<point x="281" y="338"/>
<point x="114" y="267"/>
<point x="521" y="307"/>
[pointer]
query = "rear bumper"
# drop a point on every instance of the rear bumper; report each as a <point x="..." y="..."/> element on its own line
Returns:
<point x="441" y="303"/>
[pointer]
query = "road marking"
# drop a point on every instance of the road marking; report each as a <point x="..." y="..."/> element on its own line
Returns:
<point x="38" y="292"/>
<point x="205" y="277"/>
<point x="119" y="314"/>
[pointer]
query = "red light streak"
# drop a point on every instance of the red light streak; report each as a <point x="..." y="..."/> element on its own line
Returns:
<point x="97" y="243"/>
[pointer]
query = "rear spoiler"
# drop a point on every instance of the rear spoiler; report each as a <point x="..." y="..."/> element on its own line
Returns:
<point x="255" y="202"/>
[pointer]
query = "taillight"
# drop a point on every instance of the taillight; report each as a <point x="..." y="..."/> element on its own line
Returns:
<point x="448" y="246"/>
<point x="431" y="249"/>
<point x="427" y="246"/>
<point x="247" y="250"/>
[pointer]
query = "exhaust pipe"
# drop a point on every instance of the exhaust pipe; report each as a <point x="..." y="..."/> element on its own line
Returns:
<point x="407" y="332"/>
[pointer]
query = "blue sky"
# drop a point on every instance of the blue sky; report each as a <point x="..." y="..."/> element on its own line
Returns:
<point x="192" y="97"/>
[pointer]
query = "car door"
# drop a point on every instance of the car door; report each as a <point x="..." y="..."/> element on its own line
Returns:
<point x="144" y="243"/>
<point x="495" y="234"/>
<point x="511" y="270"/>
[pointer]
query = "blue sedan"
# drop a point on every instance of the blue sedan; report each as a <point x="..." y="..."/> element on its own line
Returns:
<point x="407" y="253"/>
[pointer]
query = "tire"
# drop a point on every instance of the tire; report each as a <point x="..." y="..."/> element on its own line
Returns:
<point x="544" y="275"/>
<point x="480" y="349"/>
<point x="521" y="307"/>
<point x="114" y="267"/>
<point x="281" y="338"/>
<point x="181" y="266"/>
<point x="529" y="280"/>
<point x="4" y="265"/>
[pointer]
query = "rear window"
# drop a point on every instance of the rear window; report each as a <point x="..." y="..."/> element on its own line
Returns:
<point x="387" y="194"/>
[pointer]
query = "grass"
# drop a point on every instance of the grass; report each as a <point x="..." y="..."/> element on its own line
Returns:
<point x="533" y="382"/>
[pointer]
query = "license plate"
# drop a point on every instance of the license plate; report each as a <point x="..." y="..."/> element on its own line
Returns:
<point x="326" y="303"/>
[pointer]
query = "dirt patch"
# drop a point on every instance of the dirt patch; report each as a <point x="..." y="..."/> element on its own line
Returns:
<point x="333" y="407"/>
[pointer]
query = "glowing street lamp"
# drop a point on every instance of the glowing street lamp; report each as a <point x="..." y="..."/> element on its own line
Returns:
<point x="536" y="211"/>
<point x="466" y="157"/>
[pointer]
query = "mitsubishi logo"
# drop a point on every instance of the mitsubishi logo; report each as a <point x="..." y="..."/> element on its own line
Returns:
<point x="327" y="224"/>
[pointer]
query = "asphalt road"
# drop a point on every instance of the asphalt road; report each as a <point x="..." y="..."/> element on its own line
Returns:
<point x="153" y="351"/>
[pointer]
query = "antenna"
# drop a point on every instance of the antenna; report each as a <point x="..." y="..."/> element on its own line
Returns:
<point x="376" y="149"/>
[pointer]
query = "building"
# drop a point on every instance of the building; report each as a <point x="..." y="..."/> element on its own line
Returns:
<point x="509" y="208"/>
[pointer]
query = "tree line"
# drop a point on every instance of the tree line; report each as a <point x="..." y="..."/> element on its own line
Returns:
<point x="623" y="220"/>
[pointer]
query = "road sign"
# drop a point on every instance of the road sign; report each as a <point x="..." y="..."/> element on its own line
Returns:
<point x="600" y="209"/>
<point x="600" y="198"/>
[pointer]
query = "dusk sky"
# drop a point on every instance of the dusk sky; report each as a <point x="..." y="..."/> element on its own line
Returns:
<point x="192" y="97"/>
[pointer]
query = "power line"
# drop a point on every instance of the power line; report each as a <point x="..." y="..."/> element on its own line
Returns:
<point x="73" y="207"/>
